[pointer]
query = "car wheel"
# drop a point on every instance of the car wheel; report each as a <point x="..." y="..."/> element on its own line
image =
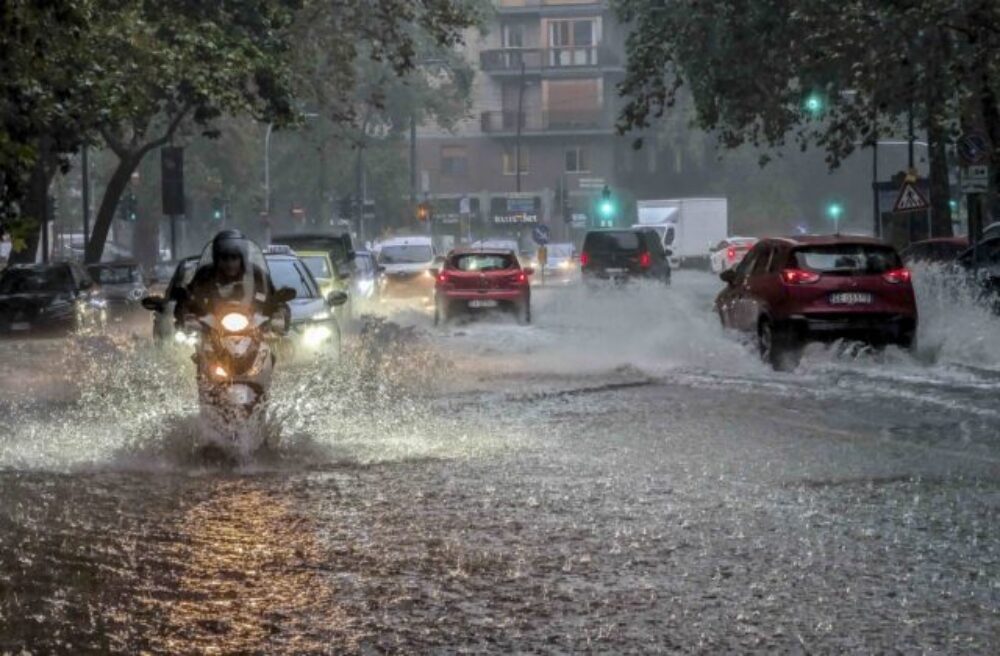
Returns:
<point x="777" y="346"/>
<point x="907" y="341"/>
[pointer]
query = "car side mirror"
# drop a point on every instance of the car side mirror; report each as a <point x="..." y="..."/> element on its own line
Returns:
<point x="153" y="303"/>
<point x="337" y="298"/>
<point x="285" y="294"/>
<point x="529" y="271"/>
<point x="668" y="252"/>
<point x="178" y="294"/>
<point x="728" y="276"/>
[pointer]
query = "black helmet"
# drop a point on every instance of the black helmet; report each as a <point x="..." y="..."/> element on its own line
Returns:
<point x="229" y="242"/>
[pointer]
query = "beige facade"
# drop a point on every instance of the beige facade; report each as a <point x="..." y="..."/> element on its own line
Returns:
<point x="558" y="61"/>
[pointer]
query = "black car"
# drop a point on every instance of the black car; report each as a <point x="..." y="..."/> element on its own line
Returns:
<point x="620" y="255"/>
<point x="49" y="298"/>
<point x="338" y="246"/>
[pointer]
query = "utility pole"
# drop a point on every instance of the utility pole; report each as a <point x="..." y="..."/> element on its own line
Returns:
<point x="912" y="139"/>
<point x="876" y="210"/>
<point x="520" y="120"/>
<point x="85" y="167"/>
<point x="413" y="163"/>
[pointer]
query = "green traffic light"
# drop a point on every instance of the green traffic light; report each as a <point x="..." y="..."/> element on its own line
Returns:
<point x="835" y="211"/>
<point x="814" y="104"/>
<point x="607" y="208"/>
<point x="953" y="204"/>
<point x="218" y="215"/>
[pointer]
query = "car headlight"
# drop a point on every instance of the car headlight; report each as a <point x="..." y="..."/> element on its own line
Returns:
<point x="314" y="336"/>
<point x="186" y="338"/>
<point x="235" y="322"/>
<point x="365" y="286"/>
<point x="322" y="315"/>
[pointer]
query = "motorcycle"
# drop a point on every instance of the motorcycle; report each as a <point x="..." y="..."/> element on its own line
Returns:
<point x="234" y="345"/>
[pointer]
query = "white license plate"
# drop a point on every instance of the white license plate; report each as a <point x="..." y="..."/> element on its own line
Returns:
<point x="20" y="325"/>
<point x="851" y="298"/>
<point x="615" y="270"/>
<point x="482" y="304"/>
<point x="240" y="394"/>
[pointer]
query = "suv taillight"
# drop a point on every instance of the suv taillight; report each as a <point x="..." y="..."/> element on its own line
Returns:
<point x="584" y="258"/>
<point x="645" y="260"/>
<point x="443" y="278"/>
<point x="799" y="277"/>
<point x="731" y="253"/>
<point x="897" y="276"/>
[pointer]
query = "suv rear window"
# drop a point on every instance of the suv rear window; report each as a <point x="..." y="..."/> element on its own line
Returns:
<point x="625" y="240"/>
<point x="847" y="259"/>
<point x="482" y="262"/>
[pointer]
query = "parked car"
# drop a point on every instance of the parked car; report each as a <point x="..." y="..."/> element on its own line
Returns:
<point x="620" y="255"/>
<point x="482" y="279"/>
<point x="123" y="284"/>
<point x="407" y="262"/>
<point x="790" y="291"/>
<point x="49" y="298"/>
<point x="941" y="250"/>
<point x="729" y="252"/>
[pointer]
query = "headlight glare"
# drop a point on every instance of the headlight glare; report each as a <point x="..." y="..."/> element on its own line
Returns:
<point x="235" y="322"/>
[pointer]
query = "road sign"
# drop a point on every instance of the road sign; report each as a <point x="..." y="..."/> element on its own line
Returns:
<point x="910" y="199"/>
<point x="592" y="183"/>
<point x="540" y="233"/>
<point x="975" y="179"/>
<point x="974" y="148"/>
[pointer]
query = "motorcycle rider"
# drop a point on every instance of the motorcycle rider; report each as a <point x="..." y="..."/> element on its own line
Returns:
<point x="227" y="277"/>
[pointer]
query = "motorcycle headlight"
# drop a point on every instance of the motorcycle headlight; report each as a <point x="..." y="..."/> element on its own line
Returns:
<point x="186" y="338"/>
<point x="235" y="322"/>
<point x="322" y="315"/>
<point x="220" y="372"/>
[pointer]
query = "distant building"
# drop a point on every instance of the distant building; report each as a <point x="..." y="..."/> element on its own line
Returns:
<point x="552" y="66"/>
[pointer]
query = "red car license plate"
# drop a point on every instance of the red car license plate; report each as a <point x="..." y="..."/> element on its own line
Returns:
<point x="851" y="298"/>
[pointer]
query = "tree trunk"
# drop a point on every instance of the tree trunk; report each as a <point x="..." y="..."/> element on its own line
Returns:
<point x="937" y="138"/>
<point x="109" y="204"/>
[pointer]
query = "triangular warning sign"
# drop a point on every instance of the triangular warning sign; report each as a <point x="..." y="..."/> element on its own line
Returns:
<point x="910" y="199"/>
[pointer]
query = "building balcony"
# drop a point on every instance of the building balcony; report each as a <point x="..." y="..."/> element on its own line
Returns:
<point x="545" y="60"/>
<point x="576" y="120"/>
<point x="549" y="7"/>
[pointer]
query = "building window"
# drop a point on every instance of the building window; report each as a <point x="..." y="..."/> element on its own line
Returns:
<point x="508" y="160"/>
<point x="577" y="160"/>
<point x="513" y="35"/>
<point x="454" y="160"/>
<point x="571" y="42"/>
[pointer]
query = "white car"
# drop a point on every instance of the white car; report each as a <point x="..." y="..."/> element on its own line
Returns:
<point x="730" y="252"/>
<point x="406" y="263"/>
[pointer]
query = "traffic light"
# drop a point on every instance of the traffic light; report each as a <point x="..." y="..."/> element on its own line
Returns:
<point x="424" y="212"/>
<point x="834" y="211"/>
<point x="607" y="208"/>
<point x="218" y="210"/>
<point x="128" y="207"/>
<point x="814" y="104"/>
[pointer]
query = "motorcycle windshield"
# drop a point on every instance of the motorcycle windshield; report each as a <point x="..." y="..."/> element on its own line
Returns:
<point x="238" y="277"/>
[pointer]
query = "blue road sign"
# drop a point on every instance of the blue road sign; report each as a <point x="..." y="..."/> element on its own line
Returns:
<point x="540" y="233"/>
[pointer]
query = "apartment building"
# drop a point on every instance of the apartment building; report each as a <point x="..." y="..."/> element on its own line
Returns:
<point x="540" y="143"/>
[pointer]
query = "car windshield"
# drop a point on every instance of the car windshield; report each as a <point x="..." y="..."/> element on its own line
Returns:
<point x="406" y="254"/>
<point x="115" y="275"/>
<point x="336" y="247"/>
<point x="290" y="273"/>
<point x="318" y="265"/>
<point x="482" y="262"/>
<point x="560" y="251"/>
<point x="36" y="280"/>
<point x="848" y="259"/>
<point x="626" y="240"/>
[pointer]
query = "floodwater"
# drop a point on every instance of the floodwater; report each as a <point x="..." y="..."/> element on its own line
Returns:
<point x="620" y="476"/>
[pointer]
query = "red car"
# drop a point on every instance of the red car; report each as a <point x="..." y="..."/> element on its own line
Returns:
<point x="473" y="280"/>
<point x="789" y="291"/>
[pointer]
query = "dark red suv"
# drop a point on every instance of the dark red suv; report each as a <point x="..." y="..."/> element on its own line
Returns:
<point x="792" y="290"/>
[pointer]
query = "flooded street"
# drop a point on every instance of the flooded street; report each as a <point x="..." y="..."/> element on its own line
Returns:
<point x="620" y="476"/>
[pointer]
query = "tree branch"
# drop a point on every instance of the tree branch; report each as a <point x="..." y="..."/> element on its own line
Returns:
<point x="175" y="123"/>
<point x="114" y="143"/>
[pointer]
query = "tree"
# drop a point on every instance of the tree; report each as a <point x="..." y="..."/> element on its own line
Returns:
<point x="832" y="75"/>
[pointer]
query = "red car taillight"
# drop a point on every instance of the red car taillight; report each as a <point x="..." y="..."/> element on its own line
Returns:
<point x="799" y="277"/>
<point x="584" y="259"/>
<point x="443" y="278"/>
<point x="645" y="260"/>
<point x="731" y="253"/>
<point x="897" y="276"/>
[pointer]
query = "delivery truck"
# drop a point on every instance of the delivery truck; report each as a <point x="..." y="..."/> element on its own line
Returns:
<point x="688" y="227"/>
